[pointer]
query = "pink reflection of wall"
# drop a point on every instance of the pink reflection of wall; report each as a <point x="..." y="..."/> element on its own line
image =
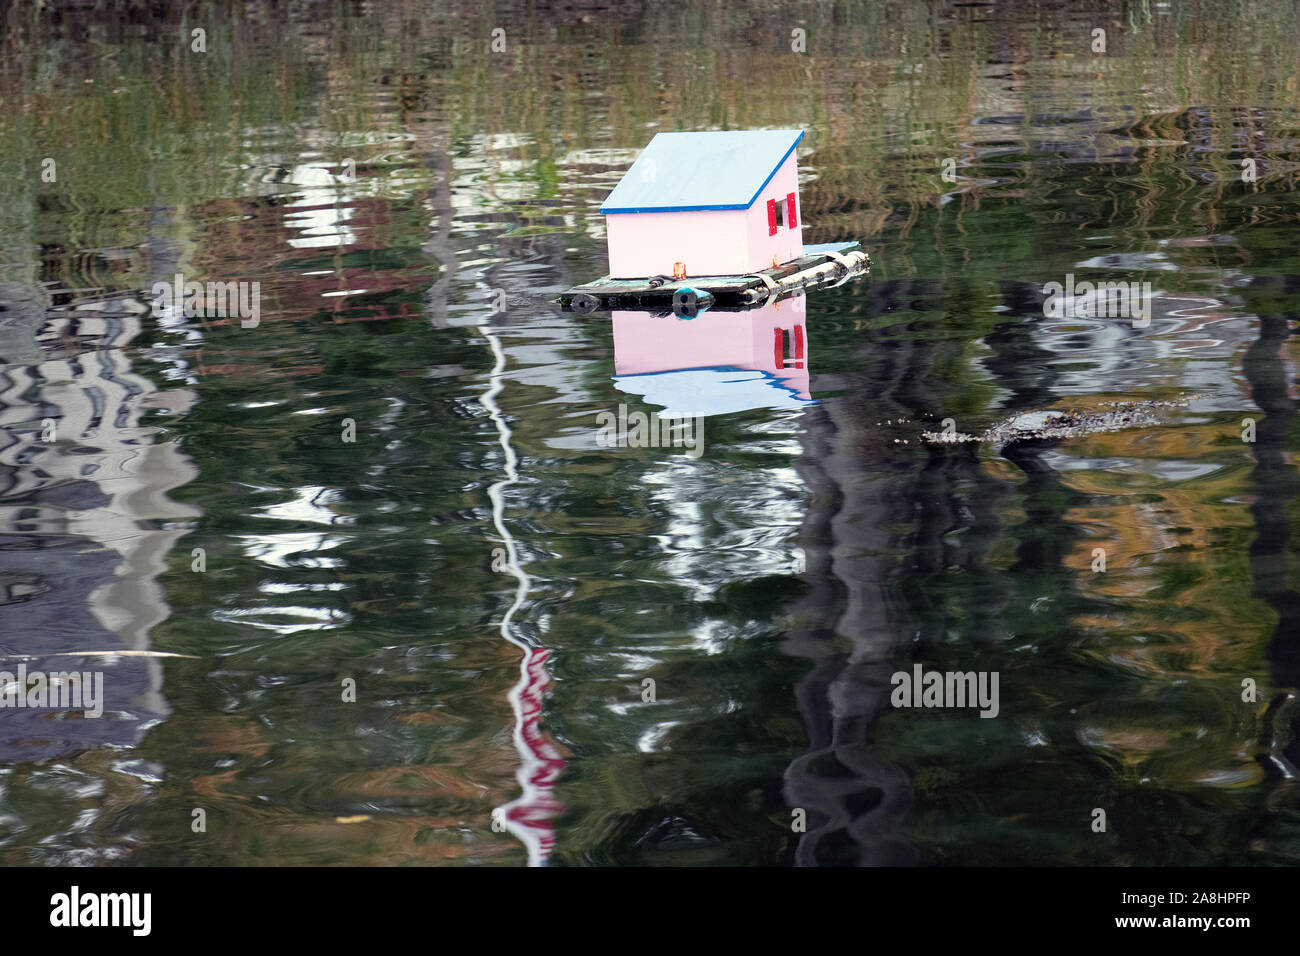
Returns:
<point x="772" y="339"/>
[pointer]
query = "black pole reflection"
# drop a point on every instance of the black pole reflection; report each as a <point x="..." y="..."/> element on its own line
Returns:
<point x="1277" y="485"/>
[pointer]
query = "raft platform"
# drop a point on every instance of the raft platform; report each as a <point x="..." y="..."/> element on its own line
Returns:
<point x="825" y="265"/>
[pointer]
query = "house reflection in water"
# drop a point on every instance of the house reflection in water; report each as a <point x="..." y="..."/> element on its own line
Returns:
<point x="717" y="362"/>
<point x="86" y="521"/>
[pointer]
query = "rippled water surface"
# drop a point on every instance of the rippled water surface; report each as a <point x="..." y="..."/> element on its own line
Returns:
<point x="500" y="587"/>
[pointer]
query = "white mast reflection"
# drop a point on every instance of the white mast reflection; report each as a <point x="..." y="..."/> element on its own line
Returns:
<point x="529" y="817"/>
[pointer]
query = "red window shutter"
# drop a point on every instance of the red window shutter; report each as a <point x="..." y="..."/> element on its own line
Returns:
<point x="789" y="210"/>
<point x="771" y="217"/>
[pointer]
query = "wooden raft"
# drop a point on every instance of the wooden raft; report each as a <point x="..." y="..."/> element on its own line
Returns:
<point x="829" y="264"/>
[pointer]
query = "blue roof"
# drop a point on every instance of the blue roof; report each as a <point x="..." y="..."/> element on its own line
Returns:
<point x="686" y="172"/>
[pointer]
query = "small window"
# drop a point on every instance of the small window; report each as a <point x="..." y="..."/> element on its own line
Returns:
<point x="780" y="213"/>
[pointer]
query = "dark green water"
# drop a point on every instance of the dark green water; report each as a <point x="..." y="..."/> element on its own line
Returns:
<point x="474" y="553"/>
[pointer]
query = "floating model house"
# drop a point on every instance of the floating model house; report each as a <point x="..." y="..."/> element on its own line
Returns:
<point x="711" y="219"/>
<point x="707" y="204"/>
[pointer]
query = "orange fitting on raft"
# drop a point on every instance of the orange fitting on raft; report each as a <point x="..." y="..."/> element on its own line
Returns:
<point x="679" y="270"/>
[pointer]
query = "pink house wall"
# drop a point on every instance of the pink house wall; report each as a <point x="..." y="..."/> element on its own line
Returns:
<point x="709" y="242"/>
<point x="644" y="244"/>
<point x="787" y="244"/>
